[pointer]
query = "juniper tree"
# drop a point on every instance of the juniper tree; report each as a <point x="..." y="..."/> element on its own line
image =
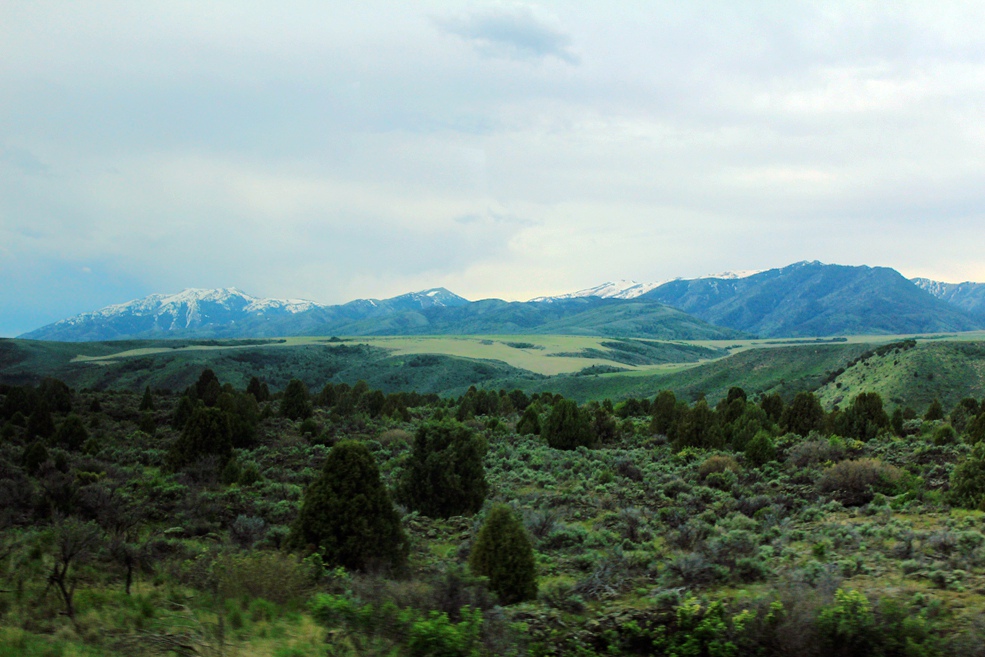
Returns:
<point x="503" y="553"/>
<point x="347" y="513"/>
<point x="803" y="415"/>
<point x="207" y="433"/>
<point x="567" y="427"/>
<point x="147" y="402"/>
<point x="296" y="404"/>
<point x="445" y="475"/>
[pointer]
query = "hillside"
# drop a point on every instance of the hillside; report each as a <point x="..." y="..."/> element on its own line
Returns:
<point x="915" y="376"/>
<point x="814" y="299"/>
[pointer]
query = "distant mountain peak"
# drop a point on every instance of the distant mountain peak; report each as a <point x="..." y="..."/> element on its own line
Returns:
<point x="621" y="289"/>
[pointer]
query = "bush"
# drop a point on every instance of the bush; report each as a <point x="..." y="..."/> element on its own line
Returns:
<point x="273" y="576"/>
<point x="445" y="475"/>
<point x="502" y="552"/>
<point x="347" y="513"/>
<point x="968" y="480"/>
<point x="717" y="464"/>
<point x="72" y="433"/>
<point x="847" y="627"/>
<point x="760" y="449"/>
<point x="854" y="483"/>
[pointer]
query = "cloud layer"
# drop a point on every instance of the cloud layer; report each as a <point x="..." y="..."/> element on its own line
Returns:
<point x="510" y="150"/>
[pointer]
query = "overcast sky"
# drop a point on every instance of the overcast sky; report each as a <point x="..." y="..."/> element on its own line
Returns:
<point x="331" y="150"/>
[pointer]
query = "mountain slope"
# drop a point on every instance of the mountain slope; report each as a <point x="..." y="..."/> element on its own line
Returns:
<point x="968" y="296"/>
<point x="228" y="313"/>
<point x="814" y="299"/>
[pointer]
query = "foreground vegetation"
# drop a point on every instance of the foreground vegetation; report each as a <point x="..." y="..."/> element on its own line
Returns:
<point x="344" y="520"/>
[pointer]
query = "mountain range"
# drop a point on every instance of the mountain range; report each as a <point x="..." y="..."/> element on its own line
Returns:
<point x="800" y="300"/>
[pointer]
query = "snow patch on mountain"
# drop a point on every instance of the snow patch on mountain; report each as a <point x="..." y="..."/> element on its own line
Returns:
<point x="622" y="289"/>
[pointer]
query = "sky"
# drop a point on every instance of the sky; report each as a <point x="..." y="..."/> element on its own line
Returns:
<point x="333" y="151"/>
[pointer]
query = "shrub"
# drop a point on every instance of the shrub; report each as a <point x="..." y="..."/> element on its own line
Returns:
<point x="445" y="475"/>
<point x="847" y="627"/>
<point x="274" y="576"/>
<point x="529" y="423"/>
<point x="502" y="552"/>
<point x="854" y="483"/>
<point x="968" y="480"/>
<point x="717" y="464"/>
<point x="945" y="435"/>
<point x="348" y="514"/>
<point x="934" y="412"/>
<point x="761" y="449"/>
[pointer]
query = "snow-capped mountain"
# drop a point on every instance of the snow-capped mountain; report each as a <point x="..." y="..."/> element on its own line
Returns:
<point x="226" y="312"/>
<point x="622" y="289"/>
<point x="626" y="289"/>
<point x="968" y="296"/>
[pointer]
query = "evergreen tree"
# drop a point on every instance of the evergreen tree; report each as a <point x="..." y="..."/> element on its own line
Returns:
<point x="503" y="553"/>
<point x="244" y="417"/>
<point x="664" y="412"/>
<point x="208" y="388"/>
<point x="935" y="411"/>
<point x="71" y="433"/>
<point x="296" y="404"/>
<point x="865" y="418"/>
<point x="567" y="427"/>
<point x="56" y="394"/>
<point x="207" y="433"/>
<point x="258" y="389"/>
<point x="147" y="403"/>
<point x="445" y="475"/>
<point x="773" y="405"/>
<point x="182" y="412"/>
<point x="698" y="427"/>
<point x="803" y="415"/>
<point x="529" y="424"/>
<point x="348" y="514"/>
<point x="40" y="424"/>
<point x="896" y="421"/>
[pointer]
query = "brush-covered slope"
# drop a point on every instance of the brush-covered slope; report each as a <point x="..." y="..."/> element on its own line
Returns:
<point x="814" y="299"/>
<point x="913" y="374"/>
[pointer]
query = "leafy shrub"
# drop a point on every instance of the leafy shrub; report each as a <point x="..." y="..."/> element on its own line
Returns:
<point x="814" y="452"/>
<point x="273" y="576"/>
<point x="761" y="449"/>
<point x="968" y="480"/>
<point x="847" y="627"/>
<point x="717" y="464"/>
<point x="854" y="483"/>
<point x="945" y="435"/>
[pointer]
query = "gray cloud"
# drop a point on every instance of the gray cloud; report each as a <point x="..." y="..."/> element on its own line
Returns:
<point x="515" y="32"/>
<point x="335" y="151"/>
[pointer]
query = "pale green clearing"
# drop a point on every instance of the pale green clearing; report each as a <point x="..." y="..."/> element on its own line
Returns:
<point x="542" y="357"/>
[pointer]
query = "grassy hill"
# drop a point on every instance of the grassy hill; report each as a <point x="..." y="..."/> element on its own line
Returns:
<point x="914" y="376"/>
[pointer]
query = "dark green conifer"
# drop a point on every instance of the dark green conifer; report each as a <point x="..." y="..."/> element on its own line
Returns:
<point x="40" y="424"/>
<point x="865" y="418"/>
<point x="71" y="434"/>
<point x="296" y="403"/>
<point x="529" y="424"/>
<point x="503" y="553"/>
<point x="147" y="403"/>
<point x="182" y="412"/>
<point x="445" y="475"/>
<point x="568" y="427"/>
<point x="347" y="513"/>
<point x="935" y="411"/>
<point x="761" y="449"/>
<point x="803" y="415"/>
<point x="664" y="412"/>
<point x="207" y="433"/>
